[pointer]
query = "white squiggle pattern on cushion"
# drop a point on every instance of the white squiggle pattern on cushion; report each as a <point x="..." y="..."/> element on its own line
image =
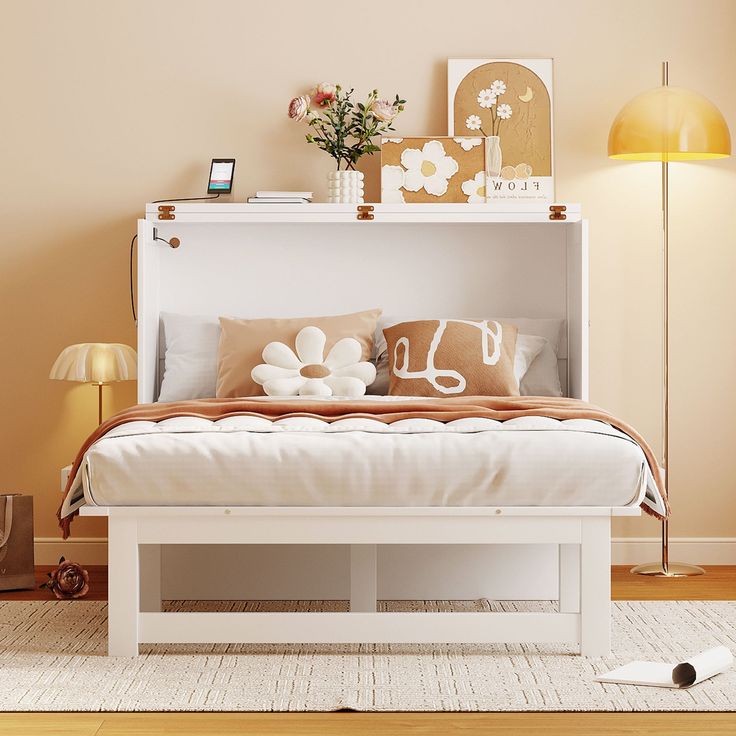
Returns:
<point x="431" y="373"/>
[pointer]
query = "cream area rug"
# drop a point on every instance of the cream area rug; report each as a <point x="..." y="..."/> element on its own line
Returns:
<point x="52" y="658"/>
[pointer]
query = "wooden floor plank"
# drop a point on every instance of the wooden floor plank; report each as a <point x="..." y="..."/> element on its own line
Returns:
<point x="718" y="584"/>
<point x="368" y="724"/>
<point x="53" y="724"/>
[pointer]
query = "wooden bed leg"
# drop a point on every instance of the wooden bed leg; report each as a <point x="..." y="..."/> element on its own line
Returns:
<point x="595" y="587"/>
<point x="150" y="565"/>
<point x="363" y="578"/>
<point x="122" y="587"/>
<point x="569" y="578"/>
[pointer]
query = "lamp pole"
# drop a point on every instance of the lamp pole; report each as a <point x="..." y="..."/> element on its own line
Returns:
<point x="99" y="402"/>
<point x="664" y="569"/>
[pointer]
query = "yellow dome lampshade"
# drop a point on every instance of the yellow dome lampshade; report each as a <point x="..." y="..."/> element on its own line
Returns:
<point x="669" y="124"/>
<point x="96" y="362"/>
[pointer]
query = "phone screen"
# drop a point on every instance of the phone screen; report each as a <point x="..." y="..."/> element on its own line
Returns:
<point x="221" y="176"/>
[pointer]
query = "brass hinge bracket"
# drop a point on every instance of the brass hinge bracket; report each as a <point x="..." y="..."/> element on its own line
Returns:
<point x="166" y="212"/>
<point x="557" y="212"/>
<point x="365" y="212"/>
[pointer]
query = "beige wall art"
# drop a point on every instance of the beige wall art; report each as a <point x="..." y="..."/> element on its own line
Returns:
<point x="433" y="169"/>
<point x="509" y="103"/>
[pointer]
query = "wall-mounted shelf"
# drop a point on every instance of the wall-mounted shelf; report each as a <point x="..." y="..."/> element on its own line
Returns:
<point x="179" y="213"/>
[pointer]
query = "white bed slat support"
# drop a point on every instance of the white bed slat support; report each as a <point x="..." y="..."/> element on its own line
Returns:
<point x="150" y="571"/>
<point x="595" y="588"/>
<point x="363" y="578"/>
<point x="569" y="578"/>
<point x="123" y="588"/>
<point x="347" y="628"/>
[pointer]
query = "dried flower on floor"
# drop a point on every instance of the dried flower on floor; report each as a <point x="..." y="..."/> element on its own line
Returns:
<point x="68" y="580"/>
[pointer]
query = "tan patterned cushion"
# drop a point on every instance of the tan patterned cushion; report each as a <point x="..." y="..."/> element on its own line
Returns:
<point x="242" y="342"/>
<point x="452" y="358"/>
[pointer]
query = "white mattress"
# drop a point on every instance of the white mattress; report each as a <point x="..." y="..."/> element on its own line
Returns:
<point x="247" y="461"/>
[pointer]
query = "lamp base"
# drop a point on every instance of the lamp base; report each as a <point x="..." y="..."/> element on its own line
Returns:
<point x="673" y="570"/>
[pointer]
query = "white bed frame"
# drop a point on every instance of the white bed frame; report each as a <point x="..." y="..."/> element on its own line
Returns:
<point x="455" y="260"/>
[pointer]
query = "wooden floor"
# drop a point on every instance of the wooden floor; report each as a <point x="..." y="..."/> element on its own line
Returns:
<point x="368" y="724"/>
<point x="718" y="584"/>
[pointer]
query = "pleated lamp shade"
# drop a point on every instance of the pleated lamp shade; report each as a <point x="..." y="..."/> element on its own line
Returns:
<point x="669" y="124"/>
<point x="96" y="362"/>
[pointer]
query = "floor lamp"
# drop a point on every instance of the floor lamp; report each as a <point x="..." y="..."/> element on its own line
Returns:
<point x="668" y="124"/>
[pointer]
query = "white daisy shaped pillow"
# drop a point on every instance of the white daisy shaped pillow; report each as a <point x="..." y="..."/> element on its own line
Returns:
<point x="308" y="373"/>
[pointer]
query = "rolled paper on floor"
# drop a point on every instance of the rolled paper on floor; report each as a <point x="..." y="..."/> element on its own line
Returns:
<point x="702" y="666"/>
<point x="683" y="675"/>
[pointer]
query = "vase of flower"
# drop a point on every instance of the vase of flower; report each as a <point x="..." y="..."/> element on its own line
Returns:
<point x="345" y="130"/>
<point x="345" y="187"/>
<point x="494" y="158"/>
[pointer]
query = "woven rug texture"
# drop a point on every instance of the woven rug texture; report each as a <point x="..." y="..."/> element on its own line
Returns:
<point x="53" y="658"/>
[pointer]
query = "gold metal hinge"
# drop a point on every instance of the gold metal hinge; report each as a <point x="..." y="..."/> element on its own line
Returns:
<point x="166" y="212"/>
<point x="557" y="212"/>
<point x="365" y="212"/>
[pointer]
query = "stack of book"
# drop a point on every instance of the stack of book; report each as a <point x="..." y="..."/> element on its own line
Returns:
<point x="265" y="197"/>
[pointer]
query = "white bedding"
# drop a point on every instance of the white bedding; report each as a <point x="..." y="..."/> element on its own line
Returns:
<point x="248" y="461"/>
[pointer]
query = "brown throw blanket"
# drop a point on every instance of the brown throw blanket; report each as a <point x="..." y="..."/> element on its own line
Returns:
<point x="441" y="410"/>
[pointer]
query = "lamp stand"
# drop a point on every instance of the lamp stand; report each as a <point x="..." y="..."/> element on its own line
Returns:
<point x="664" y="568"/>
<point x="99" y="402"/>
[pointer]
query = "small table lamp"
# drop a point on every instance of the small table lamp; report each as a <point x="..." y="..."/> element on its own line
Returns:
<point x="668" y="124"/>
<point x="98" y="363"/>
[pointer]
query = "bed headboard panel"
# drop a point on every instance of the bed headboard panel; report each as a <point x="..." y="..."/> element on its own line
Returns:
<point x="276" y="268"/>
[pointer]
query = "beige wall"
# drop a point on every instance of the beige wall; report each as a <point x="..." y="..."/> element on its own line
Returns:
<point x="107" y="105"/>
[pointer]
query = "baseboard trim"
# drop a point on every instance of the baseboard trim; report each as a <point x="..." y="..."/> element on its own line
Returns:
<point x="696" y="550"/>
<point x="625" y="550"/>
<point x="84" y="550"/>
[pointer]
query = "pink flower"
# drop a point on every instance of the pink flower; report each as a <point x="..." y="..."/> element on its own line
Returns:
<point x="384" y="111"/>
<point x="299" y="107"/>
<point x="324" y="94"/>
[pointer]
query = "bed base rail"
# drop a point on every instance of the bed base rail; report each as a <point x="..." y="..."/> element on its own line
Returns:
<point x="137" y="533"/>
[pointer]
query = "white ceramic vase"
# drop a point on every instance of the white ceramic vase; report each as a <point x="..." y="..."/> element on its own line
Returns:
<point x="345" y="187"/>
<point x="494" y="160"/>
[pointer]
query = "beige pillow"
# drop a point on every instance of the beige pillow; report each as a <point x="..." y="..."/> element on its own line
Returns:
<point x="242" y="342"/>
<point x="451" y="357"/>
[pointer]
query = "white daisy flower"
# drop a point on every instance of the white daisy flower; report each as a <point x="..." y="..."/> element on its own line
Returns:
<point x="504" y="111"/>
<point x="308" y="373"/>
<point x="392" y="180"/>
<point x="475" y="188"/>
<point x="498" y="87"/>
<point x="428" y="169"/>
<point x="468" y="144"/>
<point x="473" y="122"/>
<point x="486" y="98"/>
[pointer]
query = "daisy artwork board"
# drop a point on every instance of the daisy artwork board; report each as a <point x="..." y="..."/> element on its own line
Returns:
<point x="509" y="102"/>
<point x="433" y="169"/>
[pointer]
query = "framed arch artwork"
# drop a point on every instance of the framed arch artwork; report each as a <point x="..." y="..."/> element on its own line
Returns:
<point x="509" y="103"/>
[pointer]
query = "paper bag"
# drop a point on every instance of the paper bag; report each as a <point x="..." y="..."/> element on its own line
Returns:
<point x="16" y="542"/>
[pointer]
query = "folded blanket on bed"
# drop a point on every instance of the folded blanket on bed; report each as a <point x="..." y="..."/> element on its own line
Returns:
<point x="330" y="410"/>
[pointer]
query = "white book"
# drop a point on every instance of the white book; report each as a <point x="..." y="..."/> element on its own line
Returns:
<point x="269" y="194"/>
<point x="683" y="675"/>
<point x="277" y="200"/>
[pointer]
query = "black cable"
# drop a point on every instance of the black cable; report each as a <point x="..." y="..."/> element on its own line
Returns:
<point x="185" y="199"/>
<point x="132" y="297"/>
